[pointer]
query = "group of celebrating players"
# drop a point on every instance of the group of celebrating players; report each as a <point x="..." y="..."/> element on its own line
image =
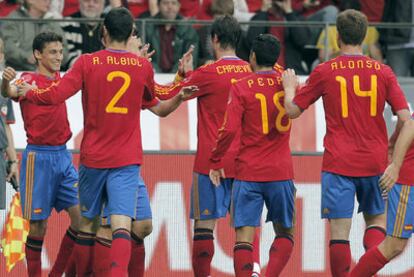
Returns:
<point x="243" y="160"/>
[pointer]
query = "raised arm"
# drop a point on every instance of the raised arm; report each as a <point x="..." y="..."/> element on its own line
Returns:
<point x="8" y="90"/>
<point x="69" y="85"/>
<point x="290" y="83"/>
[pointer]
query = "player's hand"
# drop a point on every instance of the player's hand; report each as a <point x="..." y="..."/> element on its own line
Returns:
<point x="9" y="74"/>
<point x="144" y="52"/>
<point x="185" y="64"/>
<point x="187" y="92"/>
<point x="289" y="79"/>
<point x="215" y="175"/>
<point x="389" y="178"/>
<point x="13" y="172"/>
<point x="24" y="87"/>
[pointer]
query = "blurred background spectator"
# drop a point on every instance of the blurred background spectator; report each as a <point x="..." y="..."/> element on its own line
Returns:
<point x="169" y="41"/>
<point x="370" y="45"/>
<point x="84" y="37"/>
<point x="399" y="42"/>
<point x="292" y="40"/>
<point x="18" y="35"/>
<point x="8" y="6"/>
<point x="2" y="63"/>
<point x="138" y="8"/>
<point x="217" y="8"/>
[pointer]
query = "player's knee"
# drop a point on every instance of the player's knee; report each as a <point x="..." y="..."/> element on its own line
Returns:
<point x="38" y="228"/>
<point x="104" y="232"/>
<point x="398" y="248"/>
<point x="143" y="229"/>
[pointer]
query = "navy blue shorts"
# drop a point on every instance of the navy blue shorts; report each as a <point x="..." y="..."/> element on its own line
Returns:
<point x="248" y="199"/>
<point x="48" y="180"/>
<point x="338" y="194"/>
<point x="207" y="200"/>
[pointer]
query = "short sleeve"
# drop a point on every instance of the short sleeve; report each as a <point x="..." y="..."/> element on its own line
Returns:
<point x="311" y="91"/>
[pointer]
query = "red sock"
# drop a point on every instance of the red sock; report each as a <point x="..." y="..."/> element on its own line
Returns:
<point x="243" y="259"/>
<point x="70" y="270"/>
<point x="373" y="236"/>
<point x="102" y="257"/>
<point x="120" y="252"/>
<point x="136" y="267"/>
<point x="340" y="257"/>
<point x="279" y="255"/>
<point x="84" y="253"/>
<point x="203" y="251"/>
<point x="369" y="264"/>
<point x="256" y="251"/>
<point x="65" y="252"/>
<point x="33" y="256"/>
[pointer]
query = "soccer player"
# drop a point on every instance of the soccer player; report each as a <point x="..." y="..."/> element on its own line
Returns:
<point x="264" y="169"/>
<point x="354" y="89"/>
<point x="400" y="207"/>
<point x="115" y="85"/>
<point x="48" y="177"/>
<point x="208" y="202"/>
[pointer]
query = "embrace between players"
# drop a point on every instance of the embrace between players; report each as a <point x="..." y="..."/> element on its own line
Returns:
<point x="243" y="155"/>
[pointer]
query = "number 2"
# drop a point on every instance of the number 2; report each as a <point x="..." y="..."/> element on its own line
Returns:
<point x="111" y="107"/>
<point x="282" y="112"/>
<point x="372" y="93"/>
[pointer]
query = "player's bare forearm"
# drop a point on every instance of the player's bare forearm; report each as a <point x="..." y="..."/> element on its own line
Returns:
<point x="6" y="89"/>
<point x="403" y="116"/>
<point x="404" y="141"/>
<point x="290" y="83"/>
<point x="166" y="107"/>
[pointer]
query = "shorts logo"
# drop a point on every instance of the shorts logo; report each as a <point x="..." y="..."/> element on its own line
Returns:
<point x="75" y="185"/>
<point x="206" y="212"/>
<point x="408" y="227"/>
<point x="84" y="209"/>
<point x="37" y="211"/>
<point x="325" y="211"/>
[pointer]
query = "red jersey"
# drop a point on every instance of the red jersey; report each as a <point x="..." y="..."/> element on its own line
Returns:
<point x="354" y="90"/>
<point x="115" y="85"/>
<point x="44" y="125"/>
<point x="256" y="107"/>
<point x="214" y="81"/>
<point x="407" y="168"/>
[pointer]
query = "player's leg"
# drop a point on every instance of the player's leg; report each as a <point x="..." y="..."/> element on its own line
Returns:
<point x="33" y="248"/>
<point x="400" y="220"/>
<point x="67" y="199"/>
<point x="141" y="228"/>
<point x="208" y="203"/>
<point x="102" y="250"/>
<point x="74" y="215"/>
<point x="91" y="190"/>
<point x="280" y="202"/>
<point x="338" y="193"/>
<point x="36" y="197"/>
<point x="122" y="189"/>
<point x="372" y="205"/>
<point x="246" y="211"/>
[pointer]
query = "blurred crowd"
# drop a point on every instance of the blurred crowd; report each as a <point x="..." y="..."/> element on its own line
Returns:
<point x="304" y="46"/>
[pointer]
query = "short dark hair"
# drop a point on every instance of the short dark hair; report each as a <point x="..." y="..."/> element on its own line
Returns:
<point x="40" y="41"/>
<point x="119" y="23"/>
<point x="267" y="49"/>
<point x="227" y="30"/>
<point x="352" y="27"/>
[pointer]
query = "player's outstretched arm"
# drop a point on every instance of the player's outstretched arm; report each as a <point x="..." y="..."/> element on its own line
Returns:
<point x="404" y="141"/>
<point x="8" y="90"/>
<point x="290" y="83"/>
<point x="166" y="107"/>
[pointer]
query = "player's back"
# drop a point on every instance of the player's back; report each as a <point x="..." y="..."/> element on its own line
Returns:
<point x="355" y="89"/>
<point x="214" y="82"/>
<point x="40" y="129"/>
<point x="116" y="83"/>
<point x="264" y="151"/>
